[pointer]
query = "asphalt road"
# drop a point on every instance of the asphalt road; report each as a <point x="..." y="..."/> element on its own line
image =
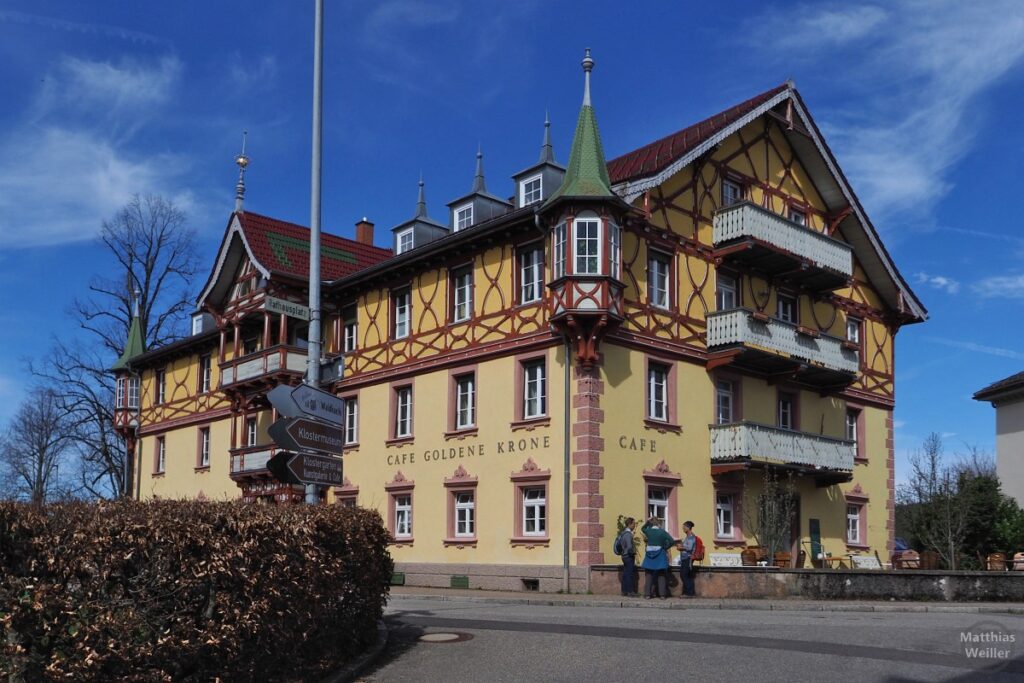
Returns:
<point x="519" y="642"/>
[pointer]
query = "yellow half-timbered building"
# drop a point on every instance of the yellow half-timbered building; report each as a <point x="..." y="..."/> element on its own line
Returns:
<point x="638" y="337"/>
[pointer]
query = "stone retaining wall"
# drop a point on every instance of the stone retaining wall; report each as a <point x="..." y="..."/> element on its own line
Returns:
<point x="494" y="577"/>
<point x="838" y="584"/>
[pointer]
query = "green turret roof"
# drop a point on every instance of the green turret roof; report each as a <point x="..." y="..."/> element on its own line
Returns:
<point x="587" y="175"/>
<point x="133" y="347"/>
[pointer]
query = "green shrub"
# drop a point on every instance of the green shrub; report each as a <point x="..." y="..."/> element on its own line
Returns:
<point x="185" y="590"/>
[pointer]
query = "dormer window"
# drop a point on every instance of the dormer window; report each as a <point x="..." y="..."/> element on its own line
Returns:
<point x="531" y="190"/>
<point x="587" y="242"/>
<point x="403" y="241"/>
<point x="463" y="217"/>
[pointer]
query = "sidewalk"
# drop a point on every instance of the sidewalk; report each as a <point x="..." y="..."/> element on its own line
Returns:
<point x="399" y="593"/>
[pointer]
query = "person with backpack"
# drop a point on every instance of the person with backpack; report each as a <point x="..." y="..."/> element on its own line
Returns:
<point x="690" y="548"/>
<point x="655" y="564"/>
<point x="625" y="548"/>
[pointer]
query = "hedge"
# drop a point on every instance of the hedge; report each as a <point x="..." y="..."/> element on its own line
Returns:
<point x="165" y="590"/>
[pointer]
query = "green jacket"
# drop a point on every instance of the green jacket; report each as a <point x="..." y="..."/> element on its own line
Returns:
<point x="657" y="536"/>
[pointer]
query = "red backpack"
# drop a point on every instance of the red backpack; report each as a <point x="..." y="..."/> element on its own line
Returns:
<point x="698" y="549"/>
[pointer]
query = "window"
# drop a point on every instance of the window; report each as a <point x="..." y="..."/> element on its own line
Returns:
<point x="798" y="216"/>
<point x="558" y="251"/>
<point x="403" y="241"/>
<point x="403" y="516"/>
<point x="204" y="447"/>
<point x="732" y="192"/>
<point x="347" y="501"/>
<point x="465" y="517"/>
<point x="401" y="304"/>
<point x="657" y="394"/>
<point x="531" y="275"/>
<point x="534" y="389"/>
<point x="463" y="217"/>
<point x="403" y="412"/>
<point x="614" y="249"/>
<point x="133" y="392"/>
<point x="250" y="431"/>
<point x="851" y="424"/>
<point x="160" y="466"/>
<point x="531" y="191"/>
<point x="724" y="402"/>
<point x="724" y="515"/>
<point x="350" y="331"/>
<point x="122" y="384"/>
<point x="588" y="246"/>
<point x="657" y="503"/>
<point x="785" y="308"/>
<point x="251" y="345"/>
<point x="853" y="330"/>
<point x="462" y="294"/>
<point x="161" y="385"/>
<point x="787" y="411"/>
<point x="727" y="294"/>
<point x="465" y="401"/>
<point x="535" y="512"/>
<point x="351" y="421"/>
<point x="658" y="280"/>
<point x="205" y="372"/>
<point x="298" y="336"/>
<point x="853" y="524"/>
<point x="855" y="432"/>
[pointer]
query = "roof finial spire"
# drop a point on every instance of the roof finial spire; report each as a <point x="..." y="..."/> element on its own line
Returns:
<point x="421" y="202"/>
<point x="588" y="66"/>
<point x="547" y="153"/>
<point x="242" y="161"/>
<point x="137" y="295"/>
<point x="478" y="180"/>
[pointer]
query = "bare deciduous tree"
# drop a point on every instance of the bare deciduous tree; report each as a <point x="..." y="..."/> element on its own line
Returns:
<point x="34" y="446"/>
<point x="154" y="258"/>
<point x="768" y="515"/>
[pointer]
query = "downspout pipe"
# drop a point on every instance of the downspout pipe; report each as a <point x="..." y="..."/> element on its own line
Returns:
<point x="567" y="466"/>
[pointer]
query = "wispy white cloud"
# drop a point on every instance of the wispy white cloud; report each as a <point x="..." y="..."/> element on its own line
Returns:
<point x="70" y="163"/>
<point x="940" y="282"/>
<point x="398" y="15"/>
<point x="898" y="424"/>
<point x="976" y="348"/>
<point x="1000" y="286"/>
<point x="253" y="75"/>
<point x="914" y="73"/>
<point x="82" y="27"/>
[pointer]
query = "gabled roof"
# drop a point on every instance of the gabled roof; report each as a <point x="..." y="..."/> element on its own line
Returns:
<point x="1009" y="388"/>
<point x="648" y="167"/>
<point x="280" y="248"/>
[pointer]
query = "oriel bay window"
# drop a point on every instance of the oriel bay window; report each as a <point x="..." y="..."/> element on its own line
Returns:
<point x="133" y="392"/>
<point x="558" y="251"/>
<point x="401" y="312"/>
<point x="462" y="294"/>
<point x="531" y="274"/>
<point x="587" y="246"/>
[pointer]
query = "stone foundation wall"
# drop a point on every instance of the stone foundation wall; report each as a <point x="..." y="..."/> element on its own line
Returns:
<point x="840" y="584"/>
<point x="494" y="577"/>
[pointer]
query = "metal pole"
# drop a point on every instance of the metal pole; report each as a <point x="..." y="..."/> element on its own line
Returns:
<point x="313" y="359"/>
<point x="566" y="468"/>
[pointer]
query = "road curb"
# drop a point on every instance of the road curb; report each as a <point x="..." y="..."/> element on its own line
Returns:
<point x="348" y="673"/>
<point x="756" y="605"/>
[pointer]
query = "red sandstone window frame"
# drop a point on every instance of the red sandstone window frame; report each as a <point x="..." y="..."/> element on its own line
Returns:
<point x="454" y="274"/>
<point x="400" y="487"/>
<point x="205" y="384"/>
<point x="530" y="477"/>
<point x="668" y="260"/>
<point x="160" y="456"/>
<point x="521" y="252"/>
<point x="252" y="436"/>
<point x="455" y="376"/>
<point x="860" y="451"/>
<point x="856" y="498"/>
<point x="737" y="289"/>
<point x="736" y="383"/>
<point x="460" y="483"/>
<point x="522" y="361"/>
<point x="670" y="421"/>
<point x="741" y="191"/>
<point x="160" y="386"/>
<point x="395" y="294"/>
<point x="349" y="319"/>
<point x="789" y="296"/>
<point x="393" y="436"/>
<point x="347" y="494"/>
<point x="662" y="478"/>
<point x="352" y="396"/>
<point x="794" y="398"/>
<point x="734" y="491"/>
<point x="203" y="430"/>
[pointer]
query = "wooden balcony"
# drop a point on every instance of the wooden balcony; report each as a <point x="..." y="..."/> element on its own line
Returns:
<point x="586" y="295"/>
<point x="251" y="461"/>
<point x="264" y="368"/>
<point x="745" y="444"/>
<point x="778" y="349"/>
<point x="762" y="240"/>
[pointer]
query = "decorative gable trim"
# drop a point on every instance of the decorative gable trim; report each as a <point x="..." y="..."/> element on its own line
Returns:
<point x="234" y="230"/>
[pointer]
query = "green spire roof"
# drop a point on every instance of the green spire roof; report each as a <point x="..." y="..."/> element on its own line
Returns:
<point x="134" y="346"/>
<point x="587" y="175"/>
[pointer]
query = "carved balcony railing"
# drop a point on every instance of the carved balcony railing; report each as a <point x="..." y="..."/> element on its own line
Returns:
<point x="781" y="248"/>
<point x="263" y="367"/>
<point x="770" y="346"/>
<point x="250" y="460"/>
<point x="752" y="443"/>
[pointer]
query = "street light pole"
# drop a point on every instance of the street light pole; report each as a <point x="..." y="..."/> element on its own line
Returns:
<point x="313" y="359"/>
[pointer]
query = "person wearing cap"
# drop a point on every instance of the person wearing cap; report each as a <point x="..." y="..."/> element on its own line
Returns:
<point x="655" y="564"/>
<point x="686" y="547"/>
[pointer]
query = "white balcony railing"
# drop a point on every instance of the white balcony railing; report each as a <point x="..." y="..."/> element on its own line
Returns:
<point x="250" y="460"/>
<point x="748" y="440"/>
<point x="747" y="220"/>
<point x="739" y="326"/>
<point x="261" y="363"/>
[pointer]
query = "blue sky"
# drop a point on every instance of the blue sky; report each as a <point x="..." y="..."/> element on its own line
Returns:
<point x="920" y="100"/>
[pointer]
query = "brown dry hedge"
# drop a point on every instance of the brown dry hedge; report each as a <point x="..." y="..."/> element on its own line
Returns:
<point x="170" y="590"/>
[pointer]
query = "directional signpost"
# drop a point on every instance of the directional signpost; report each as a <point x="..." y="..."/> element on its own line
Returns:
<point x="311" y="421"/>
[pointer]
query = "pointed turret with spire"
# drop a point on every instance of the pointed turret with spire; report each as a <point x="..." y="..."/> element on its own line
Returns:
<point x="420" y="229"/>
<point x="537" y="182"/>
<point x="479" y="205"/>
<point x="136" y="342"/>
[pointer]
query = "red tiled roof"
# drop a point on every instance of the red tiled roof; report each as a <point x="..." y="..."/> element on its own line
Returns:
<point x="656" y="156"/>
<point x="284" y="248"/>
